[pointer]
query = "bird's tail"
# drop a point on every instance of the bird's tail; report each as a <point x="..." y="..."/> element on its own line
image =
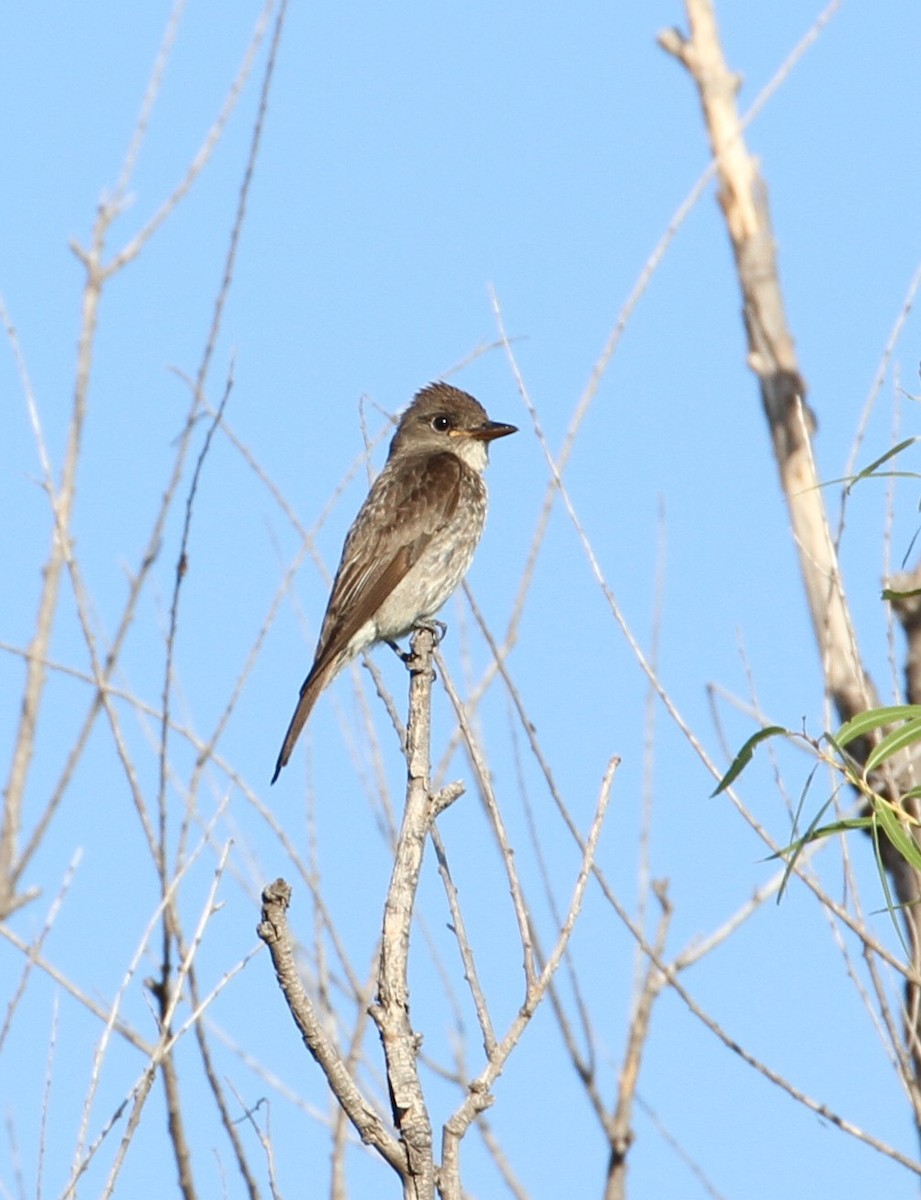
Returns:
<point x="315" y="682"/>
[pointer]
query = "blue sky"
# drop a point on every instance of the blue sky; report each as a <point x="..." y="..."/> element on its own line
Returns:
<point x="414" y="159"/>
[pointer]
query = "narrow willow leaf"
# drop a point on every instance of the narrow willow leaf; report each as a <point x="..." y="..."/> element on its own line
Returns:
<point x="868" y="471"/>
<point x="898" y="835"/>
<point x="891" y="905"/>
<point x="797" y="847"/>
<point x="743" y="758"/>
<point x="850" y="769"/>
<point x="845" y="825"/>
<point x="797" y="813"/>
<point x="893" y="742"/>
<point x="872" y="719"/>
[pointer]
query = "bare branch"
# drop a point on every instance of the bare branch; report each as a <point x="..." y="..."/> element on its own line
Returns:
<point x="273" y="930"/>
<point x="391" y="1013"/>
<point x="478" y="1096"/>
<point x="200" y="161"/>
<point x="772" y="357"/>
<point x="619" y="1128"/>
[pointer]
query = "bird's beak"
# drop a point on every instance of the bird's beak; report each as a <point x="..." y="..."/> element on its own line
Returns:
<point x="490" y="431"/>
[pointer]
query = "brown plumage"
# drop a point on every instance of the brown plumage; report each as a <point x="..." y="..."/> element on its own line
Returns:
<point x="413" y="539"/>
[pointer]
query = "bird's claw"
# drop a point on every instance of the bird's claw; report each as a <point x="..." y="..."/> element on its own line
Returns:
<point x="437" y="629"/>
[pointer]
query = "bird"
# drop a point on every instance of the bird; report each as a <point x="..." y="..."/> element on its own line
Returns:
<point x="413" y="538"/>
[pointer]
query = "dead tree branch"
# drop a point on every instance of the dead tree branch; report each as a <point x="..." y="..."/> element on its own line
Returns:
<point x="274" y="931"/>
<point x="772" y="357"/>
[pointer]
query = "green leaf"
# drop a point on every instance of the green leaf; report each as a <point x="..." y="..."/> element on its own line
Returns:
<point x="804" y="792"/>
<point x="891" y="905"/>
<point x="872" y="719"/>
<point x="871" y="469"/>
<point x="798" y="843"/>
<point x="893" y="742"/>
<point x="898" y="835"/>
<point x="892" y="594"/>
<point x="848" y="765"/>
<point x="743" y="758"/>
<point x="815" y="833"/>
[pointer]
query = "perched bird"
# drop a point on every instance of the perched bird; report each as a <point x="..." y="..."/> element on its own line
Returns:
<point x="413" y="539"/>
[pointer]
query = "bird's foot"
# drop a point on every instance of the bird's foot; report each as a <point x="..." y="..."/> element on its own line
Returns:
<point x="437" y="629"/>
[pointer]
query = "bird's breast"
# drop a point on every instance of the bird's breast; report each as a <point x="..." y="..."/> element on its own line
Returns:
<point x="438" y="570"/>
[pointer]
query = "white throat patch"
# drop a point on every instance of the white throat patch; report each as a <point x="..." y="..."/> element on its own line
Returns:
<point x="471" y="451"/>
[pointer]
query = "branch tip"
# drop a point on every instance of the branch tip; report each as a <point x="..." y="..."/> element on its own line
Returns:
<point x="673" y="42"/>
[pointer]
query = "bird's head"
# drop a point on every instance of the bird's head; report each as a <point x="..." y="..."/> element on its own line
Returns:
<point x="443" y="418"/>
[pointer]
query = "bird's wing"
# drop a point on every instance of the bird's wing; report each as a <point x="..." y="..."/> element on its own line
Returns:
<point x="404" y="510"/>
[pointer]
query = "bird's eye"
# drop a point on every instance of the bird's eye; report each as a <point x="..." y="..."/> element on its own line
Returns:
<point x="441" y="423"/>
